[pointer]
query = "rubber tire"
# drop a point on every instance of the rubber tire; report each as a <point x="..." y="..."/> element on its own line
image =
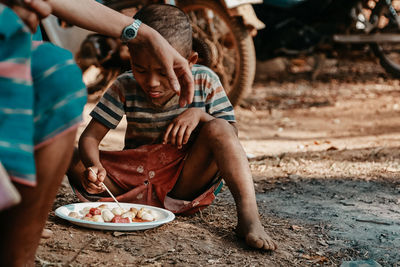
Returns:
<point x="389" y="65"/>
<point x="246" y="66"/>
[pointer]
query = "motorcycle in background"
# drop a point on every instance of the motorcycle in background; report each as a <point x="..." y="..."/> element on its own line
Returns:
<point x="222" y="31"/>
<point x="298" y="27"/>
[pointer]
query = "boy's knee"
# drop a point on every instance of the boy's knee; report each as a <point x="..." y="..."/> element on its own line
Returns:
<point x="217" y="128"/>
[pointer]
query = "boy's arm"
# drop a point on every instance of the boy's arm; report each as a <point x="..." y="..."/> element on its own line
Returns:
<point x="89" y="143"/>
<point x="90" y="155"/>
<point x="207" y="117"/>
<point x="179" y="130"/>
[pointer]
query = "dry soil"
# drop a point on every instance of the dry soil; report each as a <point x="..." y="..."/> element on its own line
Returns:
<point x="325" y="157"/>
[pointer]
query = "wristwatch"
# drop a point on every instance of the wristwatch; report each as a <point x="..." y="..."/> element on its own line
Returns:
<point x="130" y="31"/>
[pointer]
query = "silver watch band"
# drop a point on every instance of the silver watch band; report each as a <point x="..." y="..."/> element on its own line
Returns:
<point x="130" y="31"/>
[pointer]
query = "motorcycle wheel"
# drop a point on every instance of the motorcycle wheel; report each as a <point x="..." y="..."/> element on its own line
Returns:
<point x="385" y="22"/>
<point x="230" y="44"/>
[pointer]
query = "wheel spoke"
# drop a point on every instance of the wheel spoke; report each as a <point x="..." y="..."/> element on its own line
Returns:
<point x="208" y="26"/>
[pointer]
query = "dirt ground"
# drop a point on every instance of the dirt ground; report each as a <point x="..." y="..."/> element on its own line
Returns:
<point x="325" y="157"/>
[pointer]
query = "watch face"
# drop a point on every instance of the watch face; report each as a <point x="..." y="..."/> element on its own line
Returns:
<point x="130" y="33"/>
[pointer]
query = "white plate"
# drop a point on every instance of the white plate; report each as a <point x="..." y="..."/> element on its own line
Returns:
<point x="164" y="216"/>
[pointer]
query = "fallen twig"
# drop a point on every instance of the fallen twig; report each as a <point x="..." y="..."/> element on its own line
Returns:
<point x="372" y="221"/>
<point x="79" y="251"/>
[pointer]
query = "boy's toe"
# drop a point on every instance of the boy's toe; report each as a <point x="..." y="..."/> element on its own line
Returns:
<point x="269" y="245"/>
<point x="254" y="241"/>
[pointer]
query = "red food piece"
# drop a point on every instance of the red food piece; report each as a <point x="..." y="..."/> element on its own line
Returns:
<point x="119" y="219"/>
<point x="95" y="211"/>
<point x="89" y="215"/>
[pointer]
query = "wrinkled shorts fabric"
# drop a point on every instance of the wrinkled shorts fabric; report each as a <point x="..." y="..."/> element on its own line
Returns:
<point x="41" y="96"/>
<point x="147" y="174"/>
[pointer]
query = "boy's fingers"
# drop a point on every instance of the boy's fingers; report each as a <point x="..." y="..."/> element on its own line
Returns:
<point x="92" y="177"/>
<point x="93" y="189"/>
<point x="180" y="135"/>
<point x="173" y="134"/>
<point x="188" y="132"/>
<point x="88" y="187"/>
<point x="101" y="175"/>
<point x="166" y="135"/>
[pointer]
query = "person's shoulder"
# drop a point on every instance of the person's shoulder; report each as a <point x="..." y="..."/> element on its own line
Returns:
<point x="126" y="77"/>
<point x="201" y="72"/>
<point x="126" y="81"/>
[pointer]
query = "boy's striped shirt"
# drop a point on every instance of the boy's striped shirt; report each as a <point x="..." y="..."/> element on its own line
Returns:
<point x="148" y="122"/>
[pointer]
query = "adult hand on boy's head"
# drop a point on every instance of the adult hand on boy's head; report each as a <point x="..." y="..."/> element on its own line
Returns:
<point x="175" y="65"/>
<point x="185" y="78"/>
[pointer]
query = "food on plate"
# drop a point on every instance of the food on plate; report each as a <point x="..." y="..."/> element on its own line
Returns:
<point x="118" y="211"/>
<point x="103" y="206"/>
<point x="103" y="213"/>
<point x="120" y="219"/>
<point x="107" y="215"/>
<point x="129" y="214"/>
<point x="74" y="214"/>
<point x="145" y="214"/>
<point x="95" y="211"/>
<point x="84" y="211"/>
<point x="98" y="218"/>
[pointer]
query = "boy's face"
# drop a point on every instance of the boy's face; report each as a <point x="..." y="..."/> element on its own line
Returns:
<point x="151" y="76"/>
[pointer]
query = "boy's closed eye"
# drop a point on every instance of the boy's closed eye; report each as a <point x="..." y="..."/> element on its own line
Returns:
<point x="162" y="73"/>
<point x="139" y="70"/>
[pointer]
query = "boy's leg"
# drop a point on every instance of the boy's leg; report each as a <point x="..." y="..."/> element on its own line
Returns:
<point x="218" y="148"/>
<point x="21" y="226"/>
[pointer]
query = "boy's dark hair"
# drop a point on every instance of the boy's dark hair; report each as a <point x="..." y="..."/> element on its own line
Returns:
<point x="171" y="22"/>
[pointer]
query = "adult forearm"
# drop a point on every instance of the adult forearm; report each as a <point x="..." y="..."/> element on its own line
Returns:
<point x="91" y="15"/>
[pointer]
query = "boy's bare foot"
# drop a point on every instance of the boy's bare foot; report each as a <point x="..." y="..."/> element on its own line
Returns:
<point x="255" y="236"/>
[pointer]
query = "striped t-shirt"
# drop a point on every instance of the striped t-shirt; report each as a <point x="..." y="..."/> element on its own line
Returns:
<point x="146" y="122"/>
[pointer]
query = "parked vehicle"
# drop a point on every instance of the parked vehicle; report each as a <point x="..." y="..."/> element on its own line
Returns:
<point x="222" y="36"/>
<point x="296" y="27"/>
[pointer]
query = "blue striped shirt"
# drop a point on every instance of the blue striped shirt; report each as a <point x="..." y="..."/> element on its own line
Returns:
<point x="146" y="122"/>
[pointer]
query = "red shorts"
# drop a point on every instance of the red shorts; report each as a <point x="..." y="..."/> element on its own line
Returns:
<point x="147" y="174"/>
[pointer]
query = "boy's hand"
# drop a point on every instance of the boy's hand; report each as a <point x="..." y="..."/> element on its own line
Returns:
<point x="179" y="130"/>
<point x="95" y="175"/>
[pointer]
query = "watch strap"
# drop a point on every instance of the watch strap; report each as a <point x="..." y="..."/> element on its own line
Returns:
<point x="130" y="31"/>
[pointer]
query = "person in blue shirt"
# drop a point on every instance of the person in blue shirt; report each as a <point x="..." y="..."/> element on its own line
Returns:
<point x="41" y="100"/>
